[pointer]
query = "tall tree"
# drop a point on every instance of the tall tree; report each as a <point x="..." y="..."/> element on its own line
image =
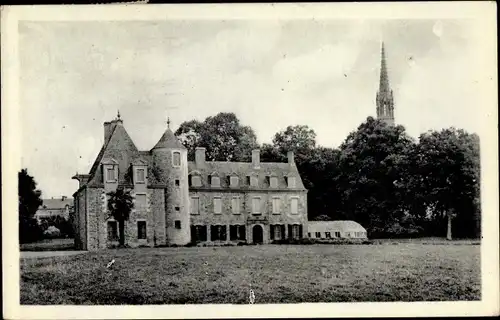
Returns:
<point x="120" y="205"/>
<point x="448" y="171"/>
<point x="300" y="139"/>
<point x="373" y="166"/>
<point x="224" y="138"/>
<point x="29" y="202"/>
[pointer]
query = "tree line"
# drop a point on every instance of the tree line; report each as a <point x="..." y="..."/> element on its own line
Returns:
<point x="380" y="177"/>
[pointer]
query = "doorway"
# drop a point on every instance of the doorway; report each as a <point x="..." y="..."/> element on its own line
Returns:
<point x="257" y="234"/>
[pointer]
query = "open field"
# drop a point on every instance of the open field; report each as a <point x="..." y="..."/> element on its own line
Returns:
<point x="277" y="274"/>
<point x="49" y="245"/>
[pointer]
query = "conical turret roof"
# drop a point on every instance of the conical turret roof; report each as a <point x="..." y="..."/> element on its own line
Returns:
<point x="169" y="140"/>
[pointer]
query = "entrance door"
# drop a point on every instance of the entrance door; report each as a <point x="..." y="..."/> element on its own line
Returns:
<point x="257" y="234"/>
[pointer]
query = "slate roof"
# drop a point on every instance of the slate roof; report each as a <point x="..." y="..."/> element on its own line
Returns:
<point x="56" y="203"/>
<point x="169" y="140"/>
<point x="281" y="170"/>
<point x="119" y="148"/>
<point x="339" y="225"/>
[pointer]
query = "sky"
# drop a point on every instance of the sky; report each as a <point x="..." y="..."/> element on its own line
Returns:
<point x="270" y="73"/>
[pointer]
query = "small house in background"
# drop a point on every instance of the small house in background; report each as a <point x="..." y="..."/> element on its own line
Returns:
<point x="55" y="207"/>
<point x="342" y="229"/>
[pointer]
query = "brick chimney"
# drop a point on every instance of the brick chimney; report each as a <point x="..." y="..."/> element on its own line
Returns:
<point x="199" y="156"/>
<point x="256" y="158"/>
<point x="291" y="158"/>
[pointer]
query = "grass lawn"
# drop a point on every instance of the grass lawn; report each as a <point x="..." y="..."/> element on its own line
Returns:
<point x="49" y="245"/>
<point x="277" y="274"/>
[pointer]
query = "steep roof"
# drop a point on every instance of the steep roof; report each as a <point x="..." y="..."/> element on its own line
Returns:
<point x="168" y="140"/>
<point x="244" y="169"/>
<point x="56" y="203"/>
<point x="339" y="225"/>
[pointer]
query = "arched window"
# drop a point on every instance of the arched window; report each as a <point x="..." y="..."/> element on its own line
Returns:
<point x="176" y="159"/>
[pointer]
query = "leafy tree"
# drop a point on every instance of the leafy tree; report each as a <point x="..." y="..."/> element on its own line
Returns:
<point x="448" y="175"/>
<point x="120" y="205"/>
<point x="300" y="139"/>
<point x="224" y="138"/>
<point x="374" y="165"/>
<point x="29" y="202"/>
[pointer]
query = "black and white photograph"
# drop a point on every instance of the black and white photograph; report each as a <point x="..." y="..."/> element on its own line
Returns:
<point x="197" y="156"/>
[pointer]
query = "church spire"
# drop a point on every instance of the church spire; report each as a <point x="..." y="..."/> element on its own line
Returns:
<point x="385" y="100"/>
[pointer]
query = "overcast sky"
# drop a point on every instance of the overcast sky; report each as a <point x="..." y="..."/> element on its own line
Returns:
<point x="76" y="75"/>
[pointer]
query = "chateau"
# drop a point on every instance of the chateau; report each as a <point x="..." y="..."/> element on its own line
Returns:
<point x="177" y="201"/>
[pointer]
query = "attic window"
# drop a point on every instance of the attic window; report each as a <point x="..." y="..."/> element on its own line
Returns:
<point x="215" y="181"/>
<point x="196" y="181"/>
<point x="273" y="182"/>
<point x="176" y="159"/>
<point x="234" y="181"/>
<point x="253" y="181"/>
<point x="291" y="182"/>
<point x="140" y="175"/>
<point x="110" y="174"/>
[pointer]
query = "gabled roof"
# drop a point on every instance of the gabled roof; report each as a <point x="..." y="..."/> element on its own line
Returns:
<point x="169" y="140"/>
<point x="56" y="203"/>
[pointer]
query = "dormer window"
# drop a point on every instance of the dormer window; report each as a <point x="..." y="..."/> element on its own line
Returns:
<point x="234" y="181"/>
<point x="176" y="159"/>
<point x="195" y="181"/>
<point x="253" y="181"/>
<point x="140" y="175"/>
<point x="110" y="174"/>
<point x="291" y="182"/>
<point x="215" y="181"/>
<point x="110" y="170"/>
<point x="273" y="182"/>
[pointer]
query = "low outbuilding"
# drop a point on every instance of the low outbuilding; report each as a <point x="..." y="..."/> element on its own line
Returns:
<point x="341" y="229"/>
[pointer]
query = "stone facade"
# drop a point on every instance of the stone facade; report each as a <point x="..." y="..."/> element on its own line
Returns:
<point x="177" y="201"/>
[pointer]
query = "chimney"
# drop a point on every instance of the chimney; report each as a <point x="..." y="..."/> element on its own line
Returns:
<point x="107" y="131"/>
<point x="256" y="158"/>
<point x="199" y="156"/>
<point x="291" y="158"/>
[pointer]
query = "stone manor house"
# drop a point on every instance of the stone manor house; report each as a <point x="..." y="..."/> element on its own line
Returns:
<point x="177" y="201"/>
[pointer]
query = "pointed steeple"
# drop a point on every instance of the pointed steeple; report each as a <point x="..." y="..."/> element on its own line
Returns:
<point x="385" y="100"/>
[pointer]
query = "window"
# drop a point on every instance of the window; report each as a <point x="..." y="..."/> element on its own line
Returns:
<point x="237" y="232"/>
<point x="177" y="182"/>
<point x="276" y="205"/>
<point x="110" y="174"/>
<point x="256" y="205"/>
<point x="141" y="229"/>
<point x="295" y="231"/>
<point x="218" y="233"/>
<point x="176" y="159"/>
<point x="235" y="205"/>
<point x="308" y="234"/>
<point x="140" y="201"/>
<point x="273" y="182"/>
<point x="318" y="235"/>
<point x="294" y="205"/>
<point x="196" y="181"/>
<point x="277" y="232"/>
<point x="328" y="235"/>
<point x="177" y="209"/>
<point x="195" y="205"/>
<point x="215" y="181"/>
<point x="337" y="234"/>
<point x="254" y="182"/>
<point x="198" y="233"/>
<point x="112" y="230"/>
<point x="140" y="175"/>
<point x="234" y="181"/>
<point x="217" y="205"/>
<point x="177" y="224"/>
<point x="291" y="182"/>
